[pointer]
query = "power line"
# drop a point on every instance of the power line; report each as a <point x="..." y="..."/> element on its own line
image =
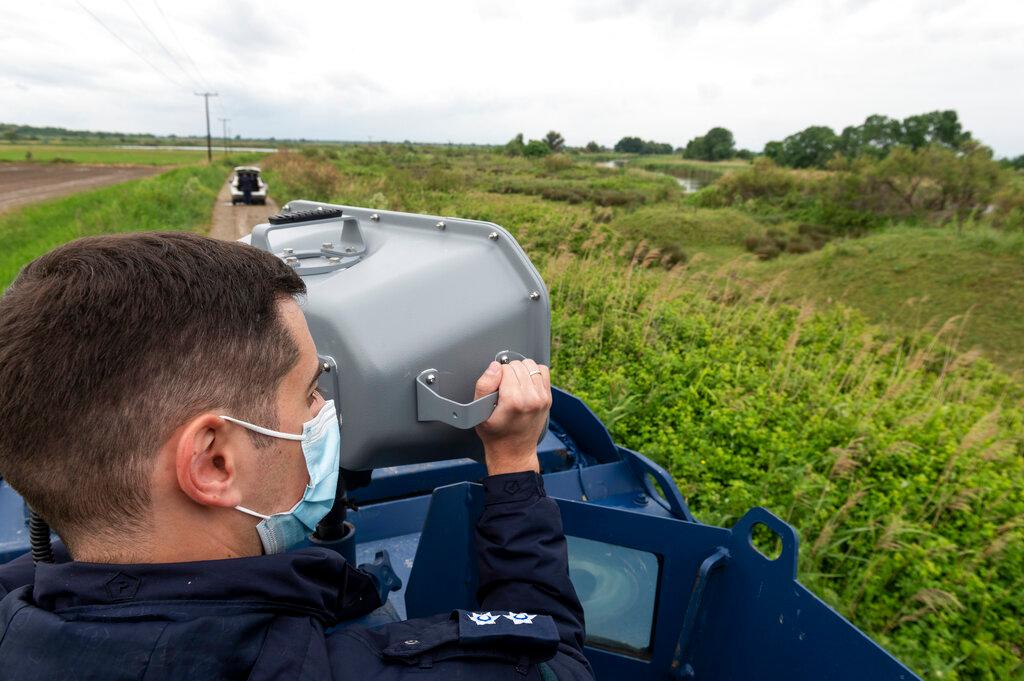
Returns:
<point x="163" y="47"/>
<point x="184" y="50"/>
<point x="209" y="144"/>
<point x="181" y="45"/>
<point x="224" y="122"/>
<point x="133" y="50"/>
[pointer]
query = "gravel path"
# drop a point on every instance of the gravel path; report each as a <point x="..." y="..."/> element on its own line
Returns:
<point x="233" y="222"/>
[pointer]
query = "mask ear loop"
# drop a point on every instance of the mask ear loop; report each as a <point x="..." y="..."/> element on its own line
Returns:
<point x="251" y="512"/>
<point x="261" y="430"/>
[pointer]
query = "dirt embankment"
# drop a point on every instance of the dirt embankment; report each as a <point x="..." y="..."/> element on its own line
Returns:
<point x="233" y="222"/>
<point x="23" y="183"/>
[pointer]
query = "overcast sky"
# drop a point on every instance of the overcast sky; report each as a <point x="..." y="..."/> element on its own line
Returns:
<point x="459" y="71"/>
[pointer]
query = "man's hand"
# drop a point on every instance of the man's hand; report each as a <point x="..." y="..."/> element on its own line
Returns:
<point x="510" y="435"/>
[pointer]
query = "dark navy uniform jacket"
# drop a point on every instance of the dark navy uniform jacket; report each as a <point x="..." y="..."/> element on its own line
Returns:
<point x="271" y="617"/>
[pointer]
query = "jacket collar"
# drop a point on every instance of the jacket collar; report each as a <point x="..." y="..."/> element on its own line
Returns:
<point x="314" y="581"/>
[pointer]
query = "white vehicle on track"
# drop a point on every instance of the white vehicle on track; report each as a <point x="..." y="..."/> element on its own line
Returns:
<point x="247" y="186"/>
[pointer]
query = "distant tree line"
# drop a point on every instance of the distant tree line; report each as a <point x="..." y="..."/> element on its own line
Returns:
<point x="815" y="146"/>
<point x="635" y="145"/>
<point x="717" y="144"/>
<point x="553" y="142"/>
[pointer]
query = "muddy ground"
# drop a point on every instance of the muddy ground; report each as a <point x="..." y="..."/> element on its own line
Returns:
<point x="232" y="222"/>
<point x="22" y="183"/>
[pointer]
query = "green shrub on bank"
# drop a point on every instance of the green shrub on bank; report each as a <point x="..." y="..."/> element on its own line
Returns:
<point x="899" y="461"/>
<point x="932" y="184"/>
<point x="673" y="230"/>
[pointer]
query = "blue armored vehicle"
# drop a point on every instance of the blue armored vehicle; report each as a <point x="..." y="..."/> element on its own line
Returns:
<point x="406" y="310"/>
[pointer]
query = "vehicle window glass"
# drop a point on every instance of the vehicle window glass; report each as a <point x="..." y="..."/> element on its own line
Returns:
<point x="618" y="587"/>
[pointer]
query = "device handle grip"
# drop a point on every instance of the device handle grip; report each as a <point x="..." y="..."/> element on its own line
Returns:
<point x="432" y="406"/>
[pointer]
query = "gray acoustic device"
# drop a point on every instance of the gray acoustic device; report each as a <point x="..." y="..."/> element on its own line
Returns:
<point x="407" y="311"/>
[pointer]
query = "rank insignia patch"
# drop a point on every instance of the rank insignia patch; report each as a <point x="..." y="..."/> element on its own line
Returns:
<point x="519" y="617"/>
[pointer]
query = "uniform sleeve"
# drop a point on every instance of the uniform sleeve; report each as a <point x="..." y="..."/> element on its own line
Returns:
<point x="524" y="563"/>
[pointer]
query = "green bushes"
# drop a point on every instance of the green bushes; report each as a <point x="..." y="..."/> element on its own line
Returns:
<point x="1008" y="204"/>
<point x="932" y="184"/>
<point x="762" y="180"/>
<point x="775" y="241"/>
<point x="557" y="163"/>
<point x="672" y="231"/>
<point x="900" y="462"/>
<point x="304" y="174"/>
<point x="570" y="192"/>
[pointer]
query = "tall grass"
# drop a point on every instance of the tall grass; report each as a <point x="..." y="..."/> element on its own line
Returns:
<point x="898" y="458"/>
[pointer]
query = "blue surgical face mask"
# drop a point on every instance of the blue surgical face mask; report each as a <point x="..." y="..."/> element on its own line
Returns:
<point x="321" y="445"/>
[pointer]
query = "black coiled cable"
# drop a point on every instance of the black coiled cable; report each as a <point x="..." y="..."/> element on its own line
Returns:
<point x="39" y="536"/>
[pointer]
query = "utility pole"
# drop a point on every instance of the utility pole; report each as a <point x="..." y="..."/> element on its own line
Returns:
<point x="209" y="145"/>
<point x="224" y="122"/>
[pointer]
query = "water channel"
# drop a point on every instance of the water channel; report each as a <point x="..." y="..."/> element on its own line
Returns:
<point x="689" y="179"/>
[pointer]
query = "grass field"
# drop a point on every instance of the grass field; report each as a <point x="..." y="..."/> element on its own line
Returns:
<point x="918" y="277"/>
<point x="897" y="453"/>
<point x="179" y="199"/>
<point x="55" y="153"/>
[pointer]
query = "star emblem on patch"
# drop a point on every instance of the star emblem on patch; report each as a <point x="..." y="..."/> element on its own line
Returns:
<point x="519" y="617"/>
<point x="482" y="618"/>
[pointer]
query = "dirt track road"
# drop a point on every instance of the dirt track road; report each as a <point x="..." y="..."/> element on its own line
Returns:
<point x="22" y="183"/>
<point x="233" y="222"/>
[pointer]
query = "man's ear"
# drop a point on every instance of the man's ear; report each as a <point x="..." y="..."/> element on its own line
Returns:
<point x="205" y="461"/>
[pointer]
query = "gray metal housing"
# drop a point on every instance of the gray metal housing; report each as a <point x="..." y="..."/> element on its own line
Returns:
<point x="404" y="306"/>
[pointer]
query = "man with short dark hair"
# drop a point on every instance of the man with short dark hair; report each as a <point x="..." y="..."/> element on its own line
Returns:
<point x="158" y="407"/>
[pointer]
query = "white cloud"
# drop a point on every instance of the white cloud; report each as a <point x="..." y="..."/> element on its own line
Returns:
<point x="467" y="71"/>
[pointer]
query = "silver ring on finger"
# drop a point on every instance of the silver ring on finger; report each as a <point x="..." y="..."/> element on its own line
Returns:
<point x="535" y="373"/>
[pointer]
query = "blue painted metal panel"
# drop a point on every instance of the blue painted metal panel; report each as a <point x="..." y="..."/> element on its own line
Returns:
<point x="395" y="482"/>
<point x="13" y="524"/>
<point x="582" y="426"/>
<point x="724" y="611"/>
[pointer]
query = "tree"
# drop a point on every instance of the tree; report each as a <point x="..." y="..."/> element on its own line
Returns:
<point x="934" y="181"/>
<point x="773" y="150"/>
<point x="879" y="135"/>
<point x="629" y="145"/>
<point x="717" y="144"/>
<point x="515" y="146"/>
<point x="593" y="147"/>
<point x="812" y="147"/>
<point x="535" y="148"/>
<point x="935" y="127"/>
<point x="652" y="147"/>
<point x="554" y="140"/>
